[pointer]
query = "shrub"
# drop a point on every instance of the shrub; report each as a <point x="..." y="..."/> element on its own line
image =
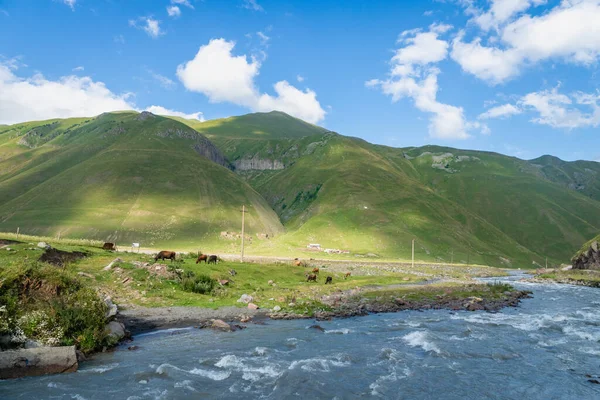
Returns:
<point x="202" y="284"/>
<point x="50" y="305"/>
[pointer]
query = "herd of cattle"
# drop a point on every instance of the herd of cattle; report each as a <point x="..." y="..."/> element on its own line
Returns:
<point x="212" y="259"/>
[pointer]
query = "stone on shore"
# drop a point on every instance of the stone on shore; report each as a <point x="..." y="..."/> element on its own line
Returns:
<point x="276" y="308"/>
<point x="112" y="309"/>
<point x="245" y="298"/>
<point x="37" y="361"/>
<point x="43" y="245"/>
<point x="116" y="330"/>
<point x="252" y="306"/>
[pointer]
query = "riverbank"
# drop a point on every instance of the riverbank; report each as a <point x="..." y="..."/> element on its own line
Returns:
<point x="578" y="277"/>
<point x="343" y="304"/>
<point x="153" y="295"/>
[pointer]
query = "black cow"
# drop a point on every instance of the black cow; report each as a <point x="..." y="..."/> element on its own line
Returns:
<point x="212" y="259"/>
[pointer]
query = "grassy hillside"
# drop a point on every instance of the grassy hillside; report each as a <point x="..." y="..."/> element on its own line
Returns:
<point x="466" y="206"/>
<point x="582" y="176"/>
<point x="124" y="177"/>
<point x="161" y="181"/>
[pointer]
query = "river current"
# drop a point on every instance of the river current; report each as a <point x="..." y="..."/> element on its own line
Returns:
<point x="543" y="349"/>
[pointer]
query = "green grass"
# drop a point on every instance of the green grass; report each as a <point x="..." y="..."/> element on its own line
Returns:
<point x="587" y="276"/>
<point x="116" y="178"/>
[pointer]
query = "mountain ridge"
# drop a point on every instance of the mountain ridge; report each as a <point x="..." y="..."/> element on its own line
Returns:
<point x="460" y="205"/>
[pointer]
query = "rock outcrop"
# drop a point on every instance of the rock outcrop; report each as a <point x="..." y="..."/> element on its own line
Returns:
<point x="37" y="361"/>
<point x="589" y="256"/>
<point x="257" y="164"/>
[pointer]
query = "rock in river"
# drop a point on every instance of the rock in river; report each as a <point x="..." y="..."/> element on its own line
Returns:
<point x="38" y="361"/>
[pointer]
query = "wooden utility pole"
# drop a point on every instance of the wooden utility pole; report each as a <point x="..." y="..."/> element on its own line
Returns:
<point x="18" y="233"/>
<point x="243" y="225"/>
<point x="413" y="253"/>
<point x="452" y="257"/>
<point x="546" y="262"/>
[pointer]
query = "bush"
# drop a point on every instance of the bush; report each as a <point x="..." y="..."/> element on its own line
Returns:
<point x="202" y="284"/>
<point x="50" y="305"/>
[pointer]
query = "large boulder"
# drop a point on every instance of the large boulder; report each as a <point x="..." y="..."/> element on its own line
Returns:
<point x="116" y="330"/>
<point x="589" y="256"/>
<point x="37" y="361"/>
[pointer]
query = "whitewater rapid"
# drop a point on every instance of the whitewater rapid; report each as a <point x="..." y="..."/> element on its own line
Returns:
<point x="548" y="348"/>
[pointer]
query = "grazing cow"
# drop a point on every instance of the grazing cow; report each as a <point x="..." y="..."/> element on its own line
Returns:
<point x="315" y="270"/>
<point x="347" y="274"/>
<point x="212" y="259"/>
<point x="202" y="257"/>
<point x="311" y="277"/>
<point x="329" y="280"/>
<point x="109" y="246"/>
<point x="165" y="254"/>
<point x="297" y="263"/>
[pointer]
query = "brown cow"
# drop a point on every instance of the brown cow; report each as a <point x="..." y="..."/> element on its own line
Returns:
<point x="311" y="277"/>
<point x="315" y="270"/>
<point x="347" y="274"/>
<point x="329" y="280"/>
<point x="202" y="257"/>
<point x="165" y="254"/>
<point x="297" y="263"/>
<point x="212" y="259"/>
<point x="109" y="246"/>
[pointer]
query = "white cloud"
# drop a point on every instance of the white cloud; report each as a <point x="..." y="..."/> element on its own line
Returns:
<point x="223" y="77"/>
<point x="78" y="69"/>
<point x="424" y="48"/>
<point x="412" y="75"/>
<point x="163" y="80"/>
<point x="37" y="98"/>
<point x="183" y="3"/>
<point x="502" y="11"/>
<point x="173" y="11"/>
<point x="428" y="13"/>
<point x="119" y="39"/>
<point x="561" y="111"/>
<point x="569" y="32"/>
<point x="149" y="25"/>
<point x="554" y="109"/>
<point x="252" y="5"/>
<point x="70" y="3"/>
<point x="4" y="12"/>
<point x="503" y="111"/>
<point x="264" y="39"/>
<point x="158" y="110"/>
<point x="299" y="78"/>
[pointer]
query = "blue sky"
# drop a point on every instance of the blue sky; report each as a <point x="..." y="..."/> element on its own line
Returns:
<point x="519" y="77"/>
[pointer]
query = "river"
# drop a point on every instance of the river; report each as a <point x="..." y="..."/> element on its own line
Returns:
<point x="542" y="350"/>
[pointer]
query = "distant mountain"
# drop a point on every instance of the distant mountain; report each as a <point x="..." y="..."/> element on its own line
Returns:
<point x="123" y="176"/>
<point x="181" y="182"/>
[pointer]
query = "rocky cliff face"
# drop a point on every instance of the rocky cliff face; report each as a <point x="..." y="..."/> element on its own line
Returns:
<point x="206" y="149"/>
<point x="588" y="258"/>
<point x="203" y="146"/>
<point x="256" y="163"/>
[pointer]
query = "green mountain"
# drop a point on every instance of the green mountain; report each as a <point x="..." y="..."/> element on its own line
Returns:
<point x="125" y="177"/>
<point x="169" y="181"/>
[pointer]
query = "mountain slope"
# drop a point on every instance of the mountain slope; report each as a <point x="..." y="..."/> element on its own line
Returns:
<point x="127" y="177"/>
<point x="461" y="205"/>
<point x="139" y="177"/>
